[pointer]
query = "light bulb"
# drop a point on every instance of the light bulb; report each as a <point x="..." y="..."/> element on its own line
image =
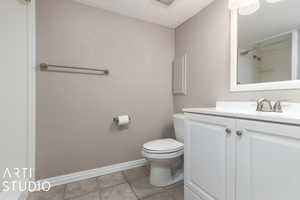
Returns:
<point x="250" y="8"/>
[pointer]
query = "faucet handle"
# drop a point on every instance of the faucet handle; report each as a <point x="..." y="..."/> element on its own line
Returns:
<point x="277" y="107"/>
<point x="259" y="104"/>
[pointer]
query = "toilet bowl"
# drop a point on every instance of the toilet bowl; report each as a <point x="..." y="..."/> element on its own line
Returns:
<point x="166" y="156"/>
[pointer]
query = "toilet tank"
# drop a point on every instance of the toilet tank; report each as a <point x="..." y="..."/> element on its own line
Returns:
<point x="178" y="120"/>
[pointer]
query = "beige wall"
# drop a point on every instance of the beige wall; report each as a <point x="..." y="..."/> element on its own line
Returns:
<point x="75" y="112"/>
<point x="205" y="38"/>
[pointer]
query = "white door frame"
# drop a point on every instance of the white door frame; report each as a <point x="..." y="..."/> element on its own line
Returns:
<point x="31" y="24"/>
<point x="31" y="90"/>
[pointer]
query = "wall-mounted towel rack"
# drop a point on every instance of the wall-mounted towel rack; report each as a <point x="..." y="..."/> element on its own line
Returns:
<point x="77" y="70"/>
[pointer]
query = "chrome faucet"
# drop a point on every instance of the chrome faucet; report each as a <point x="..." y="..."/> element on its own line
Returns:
<point x="260" y="105"/>
<point x="261" y="108"/>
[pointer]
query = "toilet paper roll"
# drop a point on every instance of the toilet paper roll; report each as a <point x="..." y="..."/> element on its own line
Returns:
<point x="122" y="120"/>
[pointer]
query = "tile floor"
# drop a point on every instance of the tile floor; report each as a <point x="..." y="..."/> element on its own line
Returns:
<point x="132" y="184"/>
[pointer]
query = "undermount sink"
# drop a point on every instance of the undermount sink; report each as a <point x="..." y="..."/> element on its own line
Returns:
<point x="247" y="110"/>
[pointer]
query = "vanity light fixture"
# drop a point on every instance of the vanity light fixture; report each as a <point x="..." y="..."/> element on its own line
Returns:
<point x="247" y="7"/>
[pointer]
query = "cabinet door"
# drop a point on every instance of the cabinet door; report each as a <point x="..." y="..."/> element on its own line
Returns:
<point x="268" y="161"/>
<point x="209" y="156"/>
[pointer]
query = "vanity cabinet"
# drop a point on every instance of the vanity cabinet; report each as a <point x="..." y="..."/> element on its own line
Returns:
<point x="235" y="159"/>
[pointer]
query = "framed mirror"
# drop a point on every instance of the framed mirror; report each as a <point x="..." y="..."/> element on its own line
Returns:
<point x="265" y="47"/>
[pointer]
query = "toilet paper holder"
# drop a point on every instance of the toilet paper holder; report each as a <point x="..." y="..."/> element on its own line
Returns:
<point x="116" y="120"/>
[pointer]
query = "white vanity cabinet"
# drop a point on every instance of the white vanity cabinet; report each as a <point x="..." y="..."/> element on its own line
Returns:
<point x="237" y="159"/>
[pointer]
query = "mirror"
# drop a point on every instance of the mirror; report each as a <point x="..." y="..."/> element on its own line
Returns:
<point x="265" y="47"/>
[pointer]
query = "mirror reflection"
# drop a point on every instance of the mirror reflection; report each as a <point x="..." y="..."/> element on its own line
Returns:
<point x="268" y="43"/>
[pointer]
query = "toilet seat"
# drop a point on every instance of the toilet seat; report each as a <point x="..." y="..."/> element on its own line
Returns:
<point x="163" y="149"/>
<point x="151" y="155"/>
<point x="163" y="146"/>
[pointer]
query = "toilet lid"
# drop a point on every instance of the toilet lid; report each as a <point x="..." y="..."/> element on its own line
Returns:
<point x="163" y="145"/>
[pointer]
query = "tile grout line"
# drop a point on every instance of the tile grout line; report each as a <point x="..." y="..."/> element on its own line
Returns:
<point x="64" y="193"/>
<point x="168" y="191"/>
<point x="128" y="182"/>
<point x="111" y="185"/>
<point x="99" y="193"/>
<point x="108" y="187"/>
<point x="99" y="188"/>
<point x="164" y="190"/>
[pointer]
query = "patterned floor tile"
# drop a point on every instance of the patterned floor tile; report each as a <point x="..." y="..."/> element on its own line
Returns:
<point x="90" y="196"/>
<point x="177" y="192"/>
<point x="111" y="180"/>
<point x="160" y="196"/>
<point x="80" y="188"/>
<point x="56" y="193"/>
<point x="143" y="188"/>
<point x="119" y="192"/>
<point x="136" y="173"/>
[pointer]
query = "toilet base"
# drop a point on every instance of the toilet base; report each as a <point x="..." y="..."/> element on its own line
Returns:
<point x="162" y="174"/>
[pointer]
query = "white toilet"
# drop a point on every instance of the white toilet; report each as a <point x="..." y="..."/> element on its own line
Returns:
<point x="166" y="156"/>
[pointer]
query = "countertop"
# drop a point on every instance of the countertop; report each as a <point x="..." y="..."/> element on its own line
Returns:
<point x="247" y="110"/>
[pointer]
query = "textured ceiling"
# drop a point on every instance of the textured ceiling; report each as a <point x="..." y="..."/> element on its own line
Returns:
<point x="151" y="10"/>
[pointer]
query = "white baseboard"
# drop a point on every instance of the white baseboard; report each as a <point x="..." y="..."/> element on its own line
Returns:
<point x="82" y="175"/>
